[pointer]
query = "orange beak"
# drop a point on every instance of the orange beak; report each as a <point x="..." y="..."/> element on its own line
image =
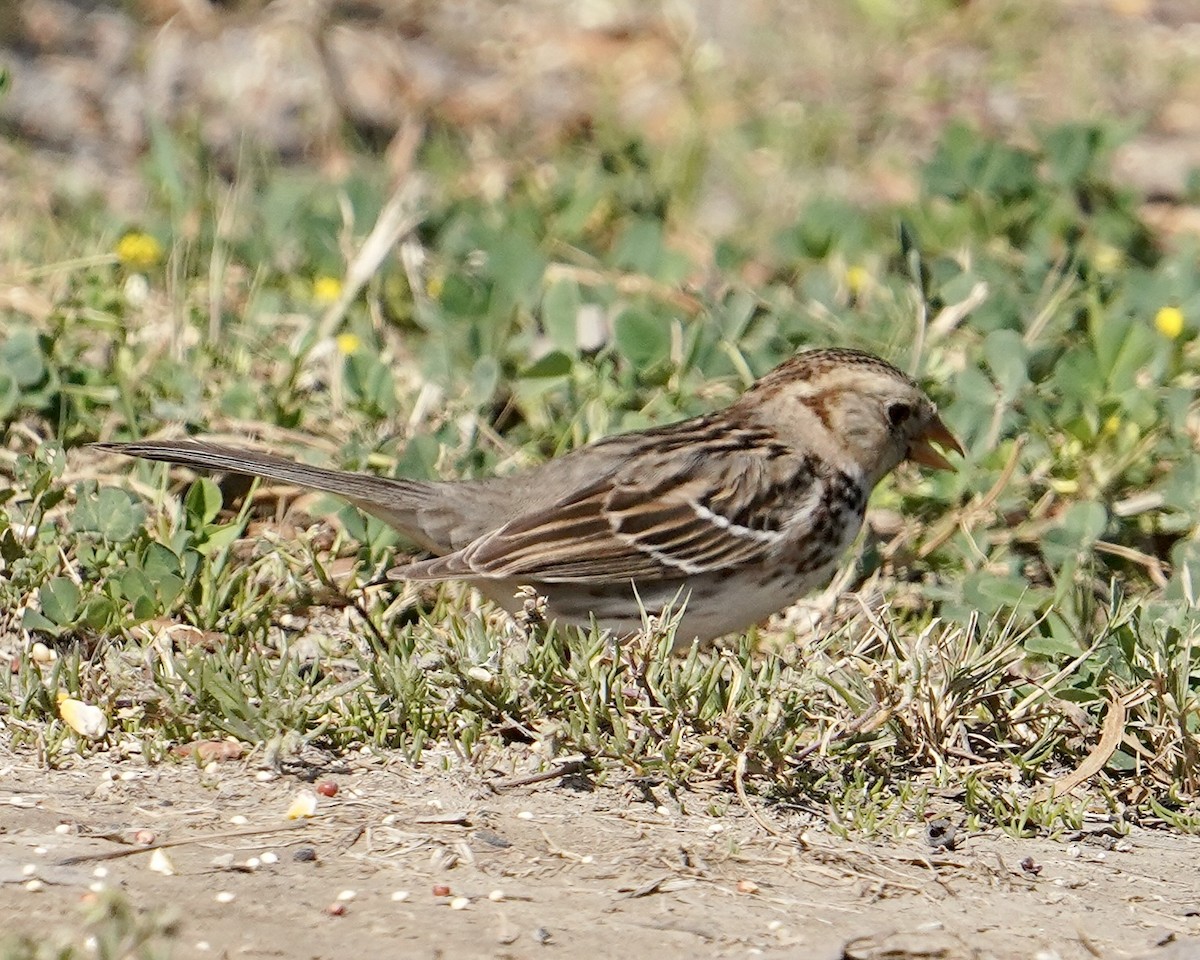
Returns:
<point x="922" y="451"/>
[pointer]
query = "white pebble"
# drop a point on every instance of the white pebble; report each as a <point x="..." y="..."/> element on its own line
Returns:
<point x="399" y="896"/>
<point x="100" y="873"/>
<point x="662" y="810"/>
<point x="270" y="857"/>
<point x="525" y="815"/>
<point x="225" y="896"/>
<point x="222" y="861"/>
<point x="263" y="776"/>
<point x="460" y="903"/>
<point x="238" y="820"/>
<point x="203" y="945"/>
<point x="33" y="886"/>
<point x="40" y="851"/>
<point x="389" y="820"/>
<point x="161" y="863"/>
<point x="587" y="858"/>
<point x="716" y="828"/>
<point x="63" y="829"/>
<point x="97" y="886"/>
<point x="253" y="863"/>
<point x="29" y="870"/>
<point x="775" y="925"/>
<point x="347" y="895"/>
<point x="496" y="896"/>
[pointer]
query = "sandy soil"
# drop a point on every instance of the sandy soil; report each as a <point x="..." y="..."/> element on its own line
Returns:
<point x="558" y="867"/>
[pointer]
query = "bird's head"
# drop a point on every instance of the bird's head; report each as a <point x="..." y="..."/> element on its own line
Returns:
<point x="857" y="409"/>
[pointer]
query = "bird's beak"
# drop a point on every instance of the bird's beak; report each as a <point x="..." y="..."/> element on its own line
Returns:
<point x="922" y="451"/>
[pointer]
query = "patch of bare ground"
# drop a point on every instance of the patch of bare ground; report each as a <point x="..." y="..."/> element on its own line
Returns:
<point x="437" y="861"/>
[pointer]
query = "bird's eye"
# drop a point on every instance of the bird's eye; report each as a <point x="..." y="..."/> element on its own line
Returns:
<point x="898" y="413"/>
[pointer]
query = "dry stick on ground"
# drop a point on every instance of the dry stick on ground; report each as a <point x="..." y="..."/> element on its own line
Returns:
<point x="204" y="838"/>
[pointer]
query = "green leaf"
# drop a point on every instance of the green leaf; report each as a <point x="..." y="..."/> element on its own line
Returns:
<point x="21" y="356"/>
<point x="1008" y="359"/>
<point x="560" y="315"/>
<point x="202" y="503"/>
<point x="554" y="364"/>
<point x="643" y="339"/>
<point x="110" y="513"/>
<point x="60" y="600"/>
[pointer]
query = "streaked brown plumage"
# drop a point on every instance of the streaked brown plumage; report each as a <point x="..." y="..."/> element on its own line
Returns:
<point x="736" y="513"/>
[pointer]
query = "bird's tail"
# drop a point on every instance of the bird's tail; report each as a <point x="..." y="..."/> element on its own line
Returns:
<point x="393" y="501"/>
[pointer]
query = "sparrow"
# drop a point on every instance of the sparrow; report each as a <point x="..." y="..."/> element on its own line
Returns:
<point x="721" y="520"/>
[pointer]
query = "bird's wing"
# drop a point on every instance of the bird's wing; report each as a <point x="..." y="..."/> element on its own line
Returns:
<point x="660" y="517"/>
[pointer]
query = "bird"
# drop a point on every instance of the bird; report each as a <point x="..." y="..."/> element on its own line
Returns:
<point x="720" y="520"/>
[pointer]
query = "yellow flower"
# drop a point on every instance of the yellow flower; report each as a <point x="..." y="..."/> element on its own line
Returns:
<point x="434" y="286"/>
<point x="857" y="279"/>
<point x="348" y="343"/>
<point x="326" y="290"/>
<point x="139" y="250"/>
<point x="1169" y="322"/>
<point x="1111" y="425"/>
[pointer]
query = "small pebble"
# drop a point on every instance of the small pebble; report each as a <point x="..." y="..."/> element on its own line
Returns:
<point x="304" y="855"/>
<point x="100" y="873"/>
<point x="238" y="820"/>
<point x="63" y="829"/>
<point x="525" y="815"/>
<point x="224" y="896"/>
<point x="441" y="890"/>
<point x="29" y="870"/>
<point x="399" y="896"/>
<point x="143" y="838"/>
<point x="347" y="895"/>
<point x="161" y="863"/>
<point x="460" y="903"/>
<point x="203" y="945"/>
<point x="389" y="820"/>
<point x="270" y="857"/>
<point x="542" y="935"/>
<point x="40" y="851"/>
<point x="303" y="805"/>
<point x="326" y="788"/>
<point x="223" y="861"/>
<point x="775" y="925"/>
<point x="496" y="896"/>
<point x="747" y="886"/>
<point x="336" y="909"/>
<point x="264" y="776"/>
<point x="96" y="886"/>
<point x="33" y="886"/>
<point x="253" y="863"/>
<point x="587" y="858"/>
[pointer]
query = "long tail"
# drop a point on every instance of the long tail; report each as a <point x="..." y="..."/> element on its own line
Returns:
<point x="394" y="501"/>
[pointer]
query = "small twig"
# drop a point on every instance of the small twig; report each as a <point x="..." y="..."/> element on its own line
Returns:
<point x="858" y="724"/>
<point x="739" y="783"/>
<point x="572" y="766"/>
<point x="224" y="835"/>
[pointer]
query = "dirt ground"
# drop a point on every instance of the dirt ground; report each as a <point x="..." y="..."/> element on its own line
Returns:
<point x="428" y="864"/>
